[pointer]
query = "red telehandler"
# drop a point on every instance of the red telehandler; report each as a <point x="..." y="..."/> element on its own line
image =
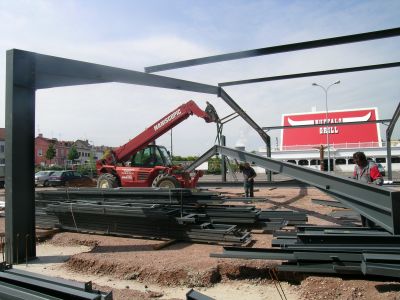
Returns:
<point x="140" y="163"/>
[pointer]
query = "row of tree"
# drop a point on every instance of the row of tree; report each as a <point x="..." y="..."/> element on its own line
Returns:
<point x="51" y="153"/>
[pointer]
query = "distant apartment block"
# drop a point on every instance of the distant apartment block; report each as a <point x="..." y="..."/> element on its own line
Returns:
<point x="85" y="150"/>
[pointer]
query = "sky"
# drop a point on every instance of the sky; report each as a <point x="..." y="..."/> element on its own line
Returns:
<point x="136" y="34"/>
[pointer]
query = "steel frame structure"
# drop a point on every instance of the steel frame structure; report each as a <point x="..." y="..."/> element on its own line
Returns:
<point x="27" y="72"/>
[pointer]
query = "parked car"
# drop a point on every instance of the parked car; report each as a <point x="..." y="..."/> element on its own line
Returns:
<point x="42" y="178"/>
<point x="70" y="178"/>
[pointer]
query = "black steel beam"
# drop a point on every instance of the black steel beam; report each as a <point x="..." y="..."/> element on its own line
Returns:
<point x="53" y="71"/>
<point x="14" y="292"/>
<point x="389" y="131"/>
<point x="340" y="40"/>
<point x="311" y="74"/>
<point x="19" y="154"/>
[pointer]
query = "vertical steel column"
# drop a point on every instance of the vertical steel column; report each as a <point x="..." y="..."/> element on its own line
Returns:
<point x="20" y="131"/>
<point x="223" y="160"/>
<point x="389" y="132"/>
<point x="268" y="146"/>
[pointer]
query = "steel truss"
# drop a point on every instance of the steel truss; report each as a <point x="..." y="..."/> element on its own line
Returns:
<point x="374" y="202"/>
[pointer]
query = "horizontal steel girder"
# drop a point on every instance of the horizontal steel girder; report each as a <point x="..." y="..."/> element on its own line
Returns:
<point x="312" y="74"/>
<point x="374" y="202"/>
<point x="51" y="71"/>
<point x="340" y="40"/>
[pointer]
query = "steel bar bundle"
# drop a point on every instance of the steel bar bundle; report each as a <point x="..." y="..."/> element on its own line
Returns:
<point x="329" y="250"/>
<point x="144" y="220"/>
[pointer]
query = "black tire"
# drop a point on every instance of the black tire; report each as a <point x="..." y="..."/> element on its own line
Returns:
<point x="107" y="181"/>
<point x="45" y="183"/>
<point x="166" y="181"/>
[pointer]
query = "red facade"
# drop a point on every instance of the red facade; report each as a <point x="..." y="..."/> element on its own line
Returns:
<point x="365" y="135"/>
<point x="41" y="146"/>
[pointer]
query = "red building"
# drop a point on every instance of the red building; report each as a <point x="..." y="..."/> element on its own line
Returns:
<point x="41" y="146"/>
<point x="344" y="136"/>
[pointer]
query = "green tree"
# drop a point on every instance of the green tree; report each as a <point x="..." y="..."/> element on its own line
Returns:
<point x="73" y="153"/>
<point x="51" y="152"/>
<point x="214" y="165"/>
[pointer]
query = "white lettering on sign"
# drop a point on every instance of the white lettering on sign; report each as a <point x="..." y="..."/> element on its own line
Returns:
<point x="328" y="121"/>
<point x="330" y="130"/>
<point x="364" y="118"/>
<point x="167" y="119"/>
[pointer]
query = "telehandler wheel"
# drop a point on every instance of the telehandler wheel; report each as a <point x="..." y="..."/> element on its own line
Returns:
<point x="166" y="181"/>
<point x="107" y="181"/>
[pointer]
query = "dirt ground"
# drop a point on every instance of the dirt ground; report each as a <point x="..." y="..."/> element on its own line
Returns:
<point x="134" y="270"/>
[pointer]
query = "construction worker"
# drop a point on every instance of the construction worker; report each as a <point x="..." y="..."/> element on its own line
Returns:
<point x="367" y="172"/>
<point x="248" y="175"/>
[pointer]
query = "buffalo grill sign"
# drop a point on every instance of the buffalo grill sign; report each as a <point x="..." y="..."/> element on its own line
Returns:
<point x="360" y="133"/>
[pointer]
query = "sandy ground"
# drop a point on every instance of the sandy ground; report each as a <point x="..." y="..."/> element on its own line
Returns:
<point x="134" y="270"/>
<point x="51" y="261"/>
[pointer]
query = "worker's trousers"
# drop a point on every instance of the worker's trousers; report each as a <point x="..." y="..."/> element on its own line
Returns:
<point x="249" y="188"/>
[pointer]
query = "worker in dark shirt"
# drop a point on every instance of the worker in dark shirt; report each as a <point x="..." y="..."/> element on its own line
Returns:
<point x="367" y="172"/>
<point x="248" y="174"/>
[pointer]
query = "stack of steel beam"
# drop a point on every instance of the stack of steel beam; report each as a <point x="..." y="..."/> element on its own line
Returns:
<point x="19" y="284"/>
<point x="144" y="220"/>
<point x="134" y="212"/>
<point x="192" y="201"/>
<point x="330" y="250"/>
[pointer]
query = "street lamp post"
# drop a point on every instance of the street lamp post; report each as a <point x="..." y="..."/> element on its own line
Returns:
<point x="326" y="121"/>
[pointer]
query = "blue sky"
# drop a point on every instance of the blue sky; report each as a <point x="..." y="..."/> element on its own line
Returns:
<point x="136" y="34"/>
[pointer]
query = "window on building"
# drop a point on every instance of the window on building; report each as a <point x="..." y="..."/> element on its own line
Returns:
<point x="40" y="152"/>
<point x="1" y="148"/>
<point x="381" y="160"/>
<point x="303" y="162"/>
<point x="395" y="159"/>
<point x="351" y="161"/>
<point x="2" y="161"/>
<point x="291" y="161"/>
<point x="314" y="162"/>
<point x="340" y="161"/>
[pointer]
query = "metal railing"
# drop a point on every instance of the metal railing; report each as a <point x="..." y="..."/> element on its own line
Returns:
<point x="338" y="146"/>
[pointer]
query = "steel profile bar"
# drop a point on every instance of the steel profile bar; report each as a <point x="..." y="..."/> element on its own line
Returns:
<point x="14" y="292"/>
<point x="53" y="71"/>
<point x="389" y="131"/>
<point x="332" y="124"/>
<point x="374" y="202"/>
<point x="49" y="287"/>
<point x="340" y="40"/>
<point x="311" y="74"/>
